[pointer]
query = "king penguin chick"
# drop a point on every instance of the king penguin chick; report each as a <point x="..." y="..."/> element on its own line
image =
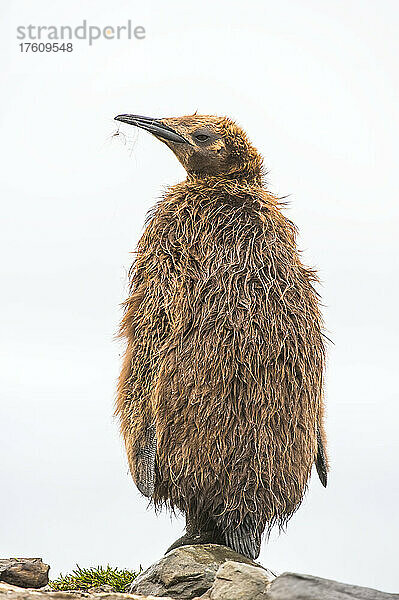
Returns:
<point x="220" y="397"/>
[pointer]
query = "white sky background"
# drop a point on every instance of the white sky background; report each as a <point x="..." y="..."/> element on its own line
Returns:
<point x="315" y="85"/>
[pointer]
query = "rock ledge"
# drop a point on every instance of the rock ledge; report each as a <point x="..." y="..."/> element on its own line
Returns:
<point x="203" y="572"/>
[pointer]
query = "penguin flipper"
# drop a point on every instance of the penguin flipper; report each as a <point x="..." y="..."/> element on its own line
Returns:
<point x="321" y="460"/>
<point x="145" y="463"/>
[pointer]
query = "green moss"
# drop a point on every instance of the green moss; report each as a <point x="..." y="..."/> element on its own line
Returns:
<point x="83" y="579"/>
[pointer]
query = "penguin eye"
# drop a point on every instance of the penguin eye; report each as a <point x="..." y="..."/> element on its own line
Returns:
<point x="202" y="137"/>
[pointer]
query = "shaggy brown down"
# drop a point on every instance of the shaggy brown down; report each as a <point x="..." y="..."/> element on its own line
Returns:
<point x="225" y="356"/>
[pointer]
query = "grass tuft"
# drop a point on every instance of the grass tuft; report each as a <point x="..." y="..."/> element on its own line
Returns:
<point x="84" y="579"/>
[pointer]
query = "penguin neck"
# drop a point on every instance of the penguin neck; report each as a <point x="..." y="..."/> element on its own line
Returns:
<point x="247" y="174"/>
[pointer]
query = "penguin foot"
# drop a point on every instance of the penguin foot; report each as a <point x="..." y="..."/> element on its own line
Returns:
<point x="193" y="539"/>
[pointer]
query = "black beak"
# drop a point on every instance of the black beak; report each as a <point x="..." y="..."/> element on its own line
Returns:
<point x="154" y="126"/>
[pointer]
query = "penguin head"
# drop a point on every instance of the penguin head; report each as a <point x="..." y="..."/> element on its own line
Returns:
<point x="205" y="145"/>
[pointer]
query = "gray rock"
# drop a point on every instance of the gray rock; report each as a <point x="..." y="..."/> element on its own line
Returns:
<point x="11" y="592"/>
<point x="185" y="572"/>
<point x="238" y="581"/>
<point x="24" y="572"/>
<point x="105" y="587"/>
<point x="291" y="586"/>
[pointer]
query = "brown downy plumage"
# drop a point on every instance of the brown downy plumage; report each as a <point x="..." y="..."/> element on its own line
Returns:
<point x="221" y="392"/>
